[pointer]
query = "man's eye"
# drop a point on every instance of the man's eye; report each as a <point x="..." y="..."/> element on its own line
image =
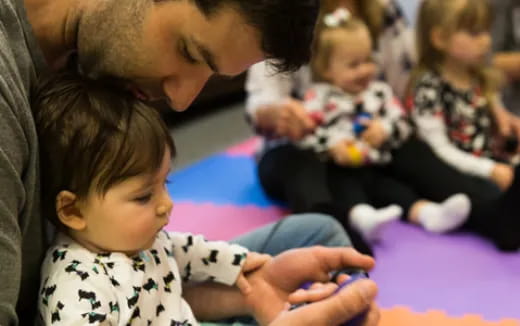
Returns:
<point x="144" y="199"/>
<point x="186" y="54"/>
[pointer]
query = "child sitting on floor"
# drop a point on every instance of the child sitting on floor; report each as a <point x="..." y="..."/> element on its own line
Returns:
<point x="360" y="123"/>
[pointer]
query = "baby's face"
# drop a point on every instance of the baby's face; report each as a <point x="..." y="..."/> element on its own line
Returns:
<point x="351" y="66"/>
<point x="130" y="214"/>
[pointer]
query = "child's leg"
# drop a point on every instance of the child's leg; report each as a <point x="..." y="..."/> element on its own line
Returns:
<point x="295" y="176"/>
<point x="441" y="217"/>
<point x="349" y="187"/>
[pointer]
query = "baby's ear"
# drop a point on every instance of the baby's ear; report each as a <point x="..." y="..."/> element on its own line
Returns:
<point x="68" y="211"/>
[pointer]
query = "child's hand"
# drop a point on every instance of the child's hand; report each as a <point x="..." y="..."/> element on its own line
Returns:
<point x="502" y="175"/>
<point x="341" y="155"/>
<point x="375" y="134"/>
<point x="253" y="262"/>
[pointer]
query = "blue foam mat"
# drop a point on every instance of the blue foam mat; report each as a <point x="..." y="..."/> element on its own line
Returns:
<point x="220" y="179"/>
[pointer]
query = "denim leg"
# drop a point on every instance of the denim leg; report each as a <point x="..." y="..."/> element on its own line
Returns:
<point x="296" y="231"/>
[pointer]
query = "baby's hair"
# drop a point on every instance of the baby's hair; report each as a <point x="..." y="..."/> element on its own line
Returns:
<point x="372" y="12"/>
<point x="92" y="136"/>
<point x="451" y="16"/>
<point x="327" y="38"/>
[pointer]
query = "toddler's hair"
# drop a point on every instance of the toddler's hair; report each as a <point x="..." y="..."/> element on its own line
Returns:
<point x="371" y="12"/>
<point x="328" y="37"/>
<point x="93" y="135"/>
<point x="451" y="16"/>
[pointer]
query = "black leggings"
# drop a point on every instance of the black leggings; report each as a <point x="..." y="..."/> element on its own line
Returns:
<point x="494" y="214"/>
<point x="368" y="184"/>
<point x="297" y="177"/>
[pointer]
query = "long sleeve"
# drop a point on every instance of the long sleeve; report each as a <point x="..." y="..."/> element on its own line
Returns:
<point x="429" y="118"/>
<point x="11" y="201"/>
<point x="200" y="260"/>
<point x="265" y="87"/>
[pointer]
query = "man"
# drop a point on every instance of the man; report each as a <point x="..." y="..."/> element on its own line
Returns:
<point x="158" y="49"/>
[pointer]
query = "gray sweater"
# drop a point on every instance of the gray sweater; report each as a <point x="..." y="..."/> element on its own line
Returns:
<point x="22" y="243"/>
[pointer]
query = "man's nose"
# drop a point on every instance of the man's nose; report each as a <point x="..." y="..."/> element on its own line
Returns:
<point x="181" y="92"/>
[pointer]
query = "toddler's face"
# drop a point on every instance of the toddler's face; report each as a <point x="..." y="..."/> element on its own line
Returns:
<point x="351" y="65"/>
<point x="129" y="216"/>
<point x="469" y="48"/>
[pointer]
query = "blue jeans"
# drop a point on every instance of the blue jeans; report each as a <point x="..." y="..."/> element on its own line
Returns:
<point x="296" y="231"/>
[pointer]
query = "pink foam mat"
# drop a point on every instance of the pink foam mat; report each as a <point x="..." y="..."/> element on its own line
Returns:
<point x="220" y="222"/>
<point x="246" y="148"/>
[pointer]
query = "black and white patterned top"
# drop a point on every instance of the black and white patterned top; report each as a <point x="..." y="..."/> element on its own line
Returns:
<point x="339" y="116"/>
<point x="80" y="287"/>
<point x="457" y="124"/>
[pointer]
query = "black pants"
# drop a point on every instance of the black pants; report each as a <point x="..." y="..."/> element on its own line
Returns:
<point x="368" y="184"/>
<point x="494" y="214"/>
<point x="299" y="178"/>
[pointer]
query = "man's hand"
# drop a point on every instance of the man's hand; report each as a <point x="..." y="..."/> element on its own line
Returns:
<point x="375" y="134"/>
<point x="272" y="284"/>
<point x="350" y="302"/>
<point x="287" y="119"/>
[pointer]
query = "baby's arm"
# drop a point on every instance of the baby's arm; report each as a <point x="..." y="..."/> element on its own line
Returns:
<point x="200" y="260"/>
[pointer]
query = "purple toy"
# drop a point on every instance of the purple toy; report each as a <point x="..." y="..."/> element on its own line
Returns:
<point x="353" y="277"/>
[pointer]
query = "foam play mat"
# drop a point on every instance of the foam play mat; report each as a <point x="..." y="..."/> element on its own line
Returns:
<point x="424" y="279"/>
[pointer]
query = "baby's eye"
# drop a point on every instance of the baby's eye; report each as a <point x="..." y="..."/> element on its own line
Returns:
<point x="144" y="199"/>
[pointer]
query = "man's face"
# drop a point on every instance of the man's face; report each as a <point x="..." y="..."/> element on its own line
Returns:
<point x="167" y="49"/>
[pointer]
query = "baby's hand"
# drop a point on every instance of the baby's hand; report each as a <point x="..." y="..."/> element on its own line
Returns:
<point x="253" y="262"/>
<point x="347" y="153"/>
<point x="375" y="134"/>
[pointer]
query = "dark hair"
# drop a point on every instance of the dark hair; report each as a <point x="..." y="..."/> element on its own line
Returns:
<point x="93" y="135"/>
<point x="286" y="27"/>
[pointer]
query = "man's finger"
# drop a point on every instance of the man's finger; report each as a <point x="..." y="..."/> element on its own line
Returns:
<point x="315" y="293"/>
<point x="347" y="304"/>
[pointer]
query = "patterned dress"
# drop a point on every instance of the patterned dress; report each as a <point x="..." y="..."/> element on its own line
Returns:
<point x="457" y="124"/>
<point x="339" y="116"/>
<point x="80" y="287"/>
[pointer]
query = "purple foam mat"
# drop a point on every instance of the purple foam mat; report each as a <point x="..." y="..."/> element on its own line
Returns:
<point x="458" y="273"/>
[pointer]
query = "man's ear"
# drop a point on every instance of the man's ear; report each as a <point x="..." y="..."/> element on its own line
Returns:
<point x="438" y="38"/>
<point x="68" y="211"/>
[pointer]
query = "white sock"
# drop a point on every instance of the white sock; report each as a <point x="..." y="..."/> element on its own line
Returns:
<point x="446" y="216"/>
<point x="369" y="221"/>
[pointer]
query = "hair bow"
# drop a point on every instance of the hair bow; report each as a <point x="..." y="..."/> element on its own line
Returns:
<point x="337" y="17"/>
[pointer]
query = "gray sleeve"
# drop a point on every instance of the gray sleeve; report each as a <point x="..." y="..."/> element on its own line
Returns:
<point x="12" y="197"/>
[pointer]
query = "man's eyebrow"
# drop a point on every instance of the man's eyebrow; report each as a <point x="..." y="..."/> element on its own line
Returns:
<point x="208" y="56"/>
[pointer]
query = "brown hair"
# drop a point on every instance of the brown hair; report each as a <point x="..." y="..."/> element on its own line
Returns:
<point x="327" y="38"/>
<point x="92" y="136"/>
<point x="450" y="16"/>
<point x="371" y="12"/>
